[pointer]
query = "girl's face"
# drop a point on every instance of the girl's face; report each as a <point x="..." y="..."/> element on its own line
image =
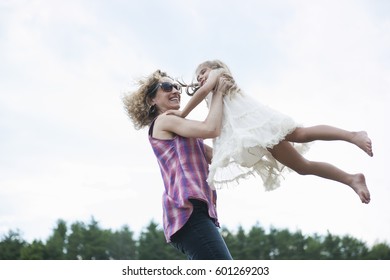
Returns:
<point x="202" y="74"/>
<point x="167" y="95"/>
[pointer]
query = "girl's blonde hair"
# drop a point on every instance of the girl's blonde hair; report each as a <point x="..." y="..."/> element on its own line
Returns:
<point x="137" y="103"/>
<point x="217" y="64"/>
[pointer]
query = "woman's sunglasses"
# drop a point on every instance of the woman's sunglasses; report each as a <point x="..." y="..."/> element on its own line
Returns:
<point x="166" y="87"/>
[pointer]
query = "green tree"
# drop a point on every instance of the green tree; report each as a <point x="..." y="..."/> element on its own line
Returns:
<point x="296" y="246"/>
<point x="257" y="243"/>
<point x="332" y="247"/>
<point x="380" y="251"/>
<point x="56" y="243"/>
<point x="75" y="245"/>
<point x="34" y="251"/>
<point x="352" y="249"/>
<point x="236" y="243"/>
<point x="122" y="246"/>
<point x="281" y="247"/>
<point x="314" y="248"/>
<point x="90" y="241"/>
<point x="152" y="245"/>
<point x="230" y="240"/>
<point x="95" y="241"/>
<point x="273" y="240"/>
<point x="11" y="246"/>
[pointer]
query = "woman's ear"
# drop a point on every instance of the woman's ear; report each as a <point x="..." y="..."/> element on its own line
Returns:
<point x="150" y="102"/>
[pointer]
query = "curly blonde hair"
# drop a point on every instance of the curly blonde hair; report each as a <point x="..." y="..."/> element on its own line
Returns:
<point x="137" y="103"/>
<point x="217" y="64"/>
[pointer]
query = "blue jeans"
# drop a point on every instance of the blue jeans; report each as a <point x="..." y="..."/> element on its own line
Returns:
<point x="199" y="238"/>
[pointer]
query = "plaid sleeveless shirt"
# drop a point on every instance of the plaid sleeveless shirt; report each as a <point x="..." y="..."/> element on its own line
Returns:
<point x="184" y="171"/>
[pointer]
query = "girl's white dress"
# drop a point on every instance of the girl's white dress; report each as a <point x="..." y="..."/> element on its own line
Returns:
<point x="248" y="129"/>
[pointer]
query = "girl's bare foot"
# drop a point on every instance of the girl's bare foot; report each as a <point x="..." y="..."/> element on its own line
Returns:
<point x="359" y="186"/>
<point x="362" y="140"/>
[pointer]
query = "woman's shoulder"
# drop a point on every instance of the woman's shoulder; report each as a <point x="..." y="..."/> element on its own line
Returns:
<point x="160" y="120"/>
<point x="163" y="126"/>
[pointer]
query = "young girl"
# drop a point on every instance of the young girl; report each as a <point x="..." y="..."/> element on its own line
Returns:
<point x="256" y="139"/>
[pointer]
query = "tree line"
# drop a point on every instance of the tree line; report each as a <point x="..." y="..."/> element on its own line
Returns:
<point x="88" y="241"/>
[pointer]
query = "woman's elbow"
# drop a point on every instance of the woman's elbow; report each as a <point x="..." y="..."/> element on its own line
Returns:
<point x="212" y="132"/>
<point x="217" y="132"/>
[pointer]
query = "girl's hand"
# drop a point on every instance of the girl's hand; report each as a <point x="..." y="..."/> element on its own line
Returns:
<point x="177" y="113"/>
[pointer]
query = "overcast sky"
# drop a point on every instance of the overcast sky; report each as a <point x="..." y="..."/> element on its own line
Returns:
<point x="68" y="150"/>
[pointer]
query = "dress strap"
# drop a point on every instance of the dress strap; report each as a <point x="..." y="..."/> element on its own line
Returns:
<point x="151" y="128"/>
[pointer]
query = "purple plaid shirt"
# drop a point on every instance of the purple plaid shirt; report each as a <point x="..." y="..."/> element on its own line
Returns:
<point x="184" y="171"/>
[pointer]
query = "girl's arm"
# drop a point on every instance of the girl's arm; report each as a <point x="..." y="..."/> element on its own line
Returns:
<point x="202" y="92"/>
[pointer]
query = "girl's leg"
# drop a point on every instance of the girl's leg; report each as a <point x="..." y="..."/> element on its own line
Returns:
<point x="286" y="154"/>
<point x="328" y="133"/>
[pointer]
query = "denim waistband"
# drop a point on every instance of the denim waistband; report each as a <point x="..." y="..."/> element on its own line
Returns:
<point x="198" y="204"/>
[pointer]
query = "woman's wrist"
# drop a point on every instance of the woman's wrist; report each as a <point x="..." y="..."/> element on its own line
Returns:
<point x="219" y="90"/>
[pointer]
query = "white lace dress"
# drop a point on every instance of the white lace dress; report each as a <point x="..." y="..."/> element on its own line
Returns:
<point x="248" y="129"/>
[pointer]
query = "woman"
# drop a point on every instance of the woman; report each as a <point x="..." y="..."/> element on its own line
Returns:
<point x="189" y="204"/>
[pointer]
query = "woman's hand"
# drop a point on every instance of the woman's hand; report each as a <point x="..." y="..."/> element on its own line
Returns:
<point x="214" y="76"/>
<point x="223" y="84"/>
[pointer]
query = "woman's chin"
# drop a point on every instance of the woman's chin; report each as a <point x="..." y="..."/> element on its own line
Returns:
<point x="176" y="107"/>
